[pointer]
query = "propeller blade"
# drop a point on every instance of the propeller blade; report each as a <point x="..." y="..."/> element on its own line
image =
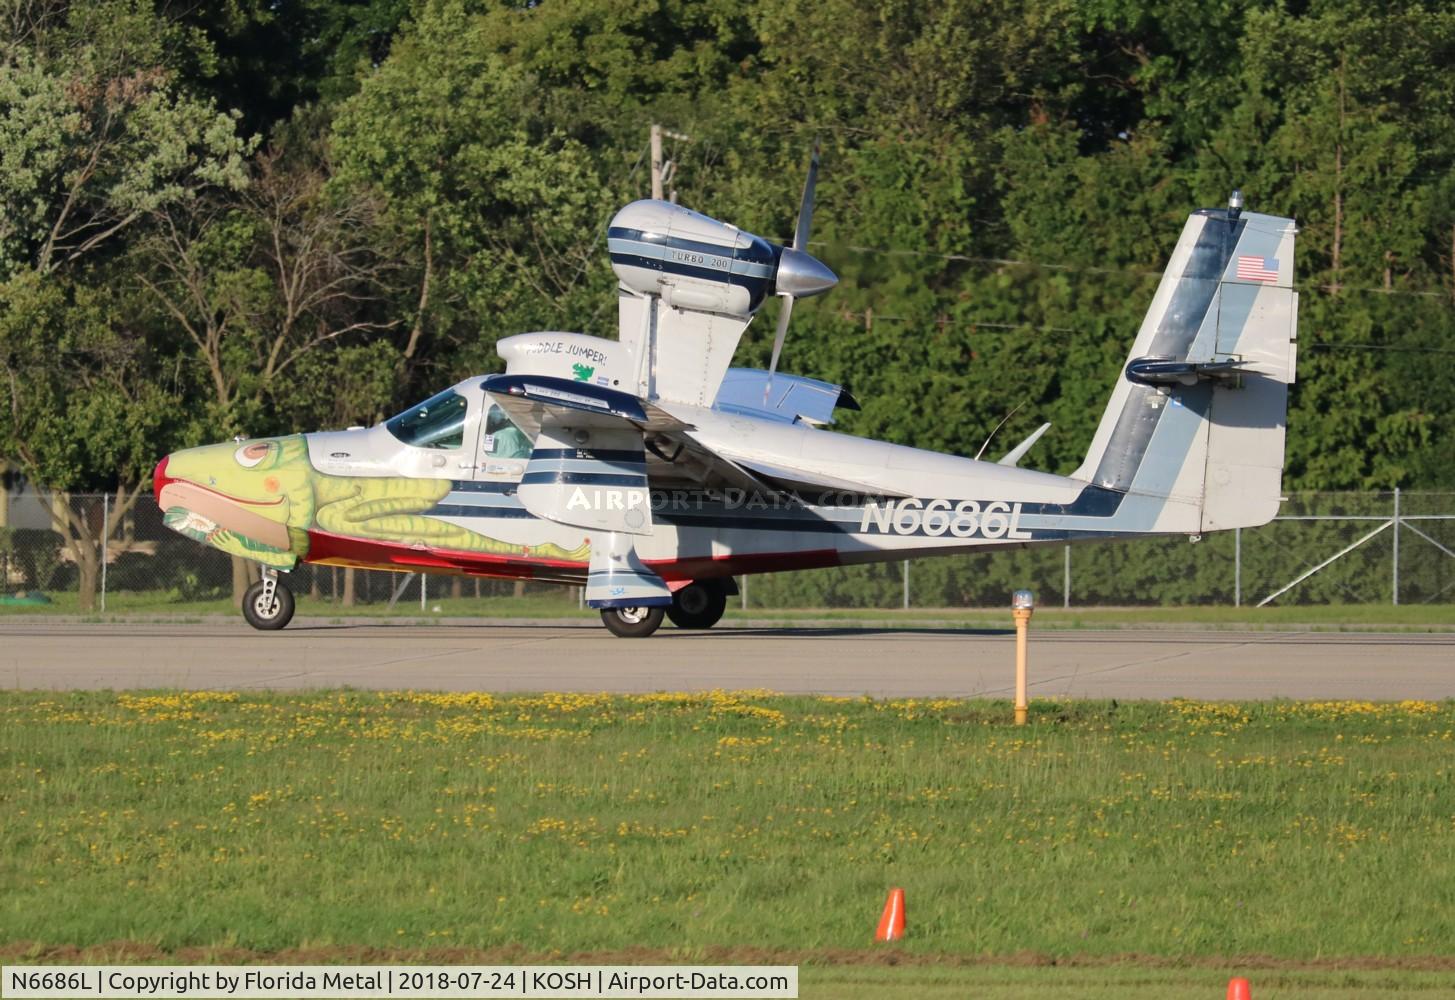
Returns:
<point x="805" y="207"/>
<point x="778" y="338"/>
<point x="795" y="266"/>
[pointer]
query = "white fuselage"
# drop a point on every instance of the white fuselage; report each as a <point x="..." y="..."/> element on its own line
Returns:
<point x="859" y="500"/>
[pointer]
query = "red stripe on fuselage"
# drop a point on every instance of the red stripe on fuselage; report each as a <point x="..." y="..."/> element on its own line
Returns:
<point x="707" y="567"/>
<point x="364" y="553"/>
<point x="367" y="553"/>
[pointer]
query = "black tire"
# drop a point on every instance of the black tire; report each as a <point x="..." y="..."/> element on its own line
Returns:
<point x="697" y="605"/>
<point x="632" y="623"/>
<point x="268" y="619"/>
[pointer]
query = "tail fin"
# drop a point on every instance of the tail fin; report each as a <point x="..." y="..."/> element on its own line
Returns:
<point x="1195" y="426"/>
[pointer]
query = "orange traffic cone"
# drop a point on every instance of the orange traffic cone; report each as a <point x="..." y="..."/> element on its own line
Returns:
<point x="1238" y="989"/>
<point x="891" y="924"/>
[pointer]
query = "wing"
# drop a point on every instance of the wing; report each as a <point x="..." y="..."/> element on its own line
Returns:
<point x="574" y="415"/>
<point x="596" y="455"/>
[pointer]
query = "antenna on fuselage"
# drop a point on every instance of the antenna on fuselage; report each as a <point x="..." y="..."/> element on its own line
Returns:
<point x="997" y="428"/>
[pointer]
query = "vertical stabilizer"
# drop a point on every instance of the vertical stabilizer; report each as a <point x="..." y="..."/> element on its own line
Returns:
<point x="1197" y="417"/>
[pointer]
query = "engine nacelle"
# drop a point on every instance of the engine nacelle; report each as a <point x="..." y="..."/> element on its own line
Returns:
<point x="690" y="285"/>
<point x="691" y="261"/>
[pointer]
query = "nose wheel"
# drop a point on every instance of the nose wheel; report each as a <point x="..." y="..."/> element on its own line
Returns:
<point x="267" y="604"/>
<point x="632" y="623"/>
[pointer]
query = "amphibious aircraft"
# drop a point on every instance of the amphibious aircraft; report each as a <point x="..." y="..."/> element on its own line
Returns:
<point x="651" y="472"/>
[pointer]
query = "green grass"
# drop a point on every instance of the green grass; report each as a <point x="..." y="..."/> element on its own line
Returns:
<point x="563" y="824"/>
<point x="1419" y="617"/>
<point x="1111" y="983"/>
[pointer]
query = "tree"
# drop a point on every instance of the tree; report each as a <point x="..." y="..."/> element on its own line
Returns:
<point x="1332" y="128"/>
<point x="504" y="212"/>
<point x="95" y="136"/>
<point x="257" y="284"/>
<point x="95" y="133"/>
<point x="86" y="405"/>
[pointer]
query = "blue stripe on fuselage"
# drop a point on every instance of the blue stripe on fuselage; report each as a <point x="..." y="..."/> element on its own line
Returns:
<point x="638" y="481"/>
<point x="791" y="512"/>
<point x="595" y="454"/>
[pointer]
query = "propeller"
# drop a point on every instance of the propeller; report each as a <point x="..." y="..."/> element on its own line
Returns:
<point x="799" y="275"/>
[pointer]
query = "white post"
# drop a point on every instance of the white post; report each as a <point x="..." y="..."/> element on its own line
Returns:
<point x="743" y="588"/>
<point x="1394" y="584"/>
<point x="105" y="534"/>
<point x="906" y="585"/>
<point x="1237" y="567"/>
<point x="423" y="588"/>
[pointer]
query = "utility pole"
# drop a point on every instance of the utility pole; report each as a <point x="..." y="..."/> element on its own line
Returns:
<point x="657" y="161"/>
<point x="664" y="170"/>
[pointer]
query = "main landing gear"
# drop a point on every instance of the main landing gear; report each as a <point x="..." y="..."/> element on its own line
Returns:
<point x="268" y="604"/>
<point x="699" y="605"/>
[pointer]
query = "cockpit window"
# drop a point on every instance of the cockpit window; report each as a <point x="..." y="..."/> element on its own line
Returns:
<point x="438" y="422"/>
<point x="502" y="438"/>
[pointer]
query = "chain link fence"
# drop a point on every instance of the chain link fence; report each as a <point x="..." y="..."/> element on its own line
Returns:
<point x="1324" y="548"/>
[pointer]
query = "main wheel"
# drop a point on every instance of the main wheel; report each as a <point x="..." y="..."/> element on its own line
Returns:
<point x="632" y="623"/>
<point x="697" y="605"/>
<point x="264" y="614"/>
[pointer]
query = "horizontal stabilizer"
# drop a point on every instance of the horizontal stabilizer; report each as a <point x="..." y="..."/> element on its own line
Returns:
<point x="1164" y="371"/>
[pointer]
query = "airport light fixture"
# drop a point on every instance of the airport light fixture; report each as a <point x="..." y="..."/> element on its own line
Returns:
<point x="1022" y="604"/>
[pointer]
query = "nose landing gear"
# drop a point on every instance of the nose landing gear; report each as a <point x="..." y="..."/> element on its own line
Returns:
<point x="632" y="623"/>
<point x="268" y="604"/>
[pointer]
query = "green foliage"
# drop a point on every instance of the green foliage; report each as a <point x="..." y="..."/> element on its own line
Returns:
<point x="95" y="132"/>
<point x="95" y="136"/>
<point x="37" y="554"/>
<point x="453" y="139"/>
<point x="1000" y="188"/>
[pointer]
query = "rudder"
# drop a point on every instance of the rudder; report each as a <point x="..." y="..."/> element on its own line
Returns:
<point x="1195" y="426"/>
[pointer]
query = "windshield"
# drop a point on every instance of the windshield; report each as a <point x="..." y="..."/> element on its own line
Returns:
<point x="438" y="422"/>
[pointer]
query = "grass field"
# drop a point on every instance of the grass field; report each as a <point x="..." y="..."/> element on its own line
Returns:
<point x="1116" y="982"/>
<point x="1179" y="839"/>
<point x="1415" y="617"/>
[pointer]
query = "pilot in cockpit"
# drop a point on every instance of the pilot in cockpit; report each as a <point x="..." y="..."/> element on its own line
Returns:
<point x="502" y="438"/>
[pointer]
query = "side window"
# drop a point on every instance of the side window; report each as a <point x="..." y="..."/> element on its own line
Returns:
<point x="438" y="422"/>
<point x="502" y="438"/>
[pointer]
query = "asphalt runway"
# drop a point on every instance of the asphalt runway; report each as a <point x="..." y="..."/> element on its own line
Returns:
<point x="837" y="661"/>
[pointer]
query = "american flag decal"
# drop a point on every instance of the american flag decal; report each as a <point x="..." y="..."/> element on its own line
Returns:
<point x="1258" y="268"/>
